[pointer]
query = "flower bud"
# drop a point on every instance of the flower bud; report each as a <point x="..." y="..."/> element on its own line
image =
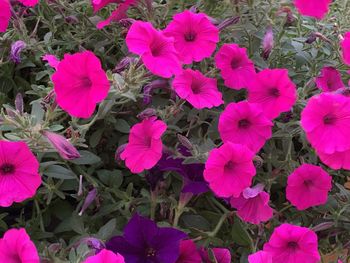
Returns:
<point x="148" y="89"/>
<point x="124" y="64"/>
<point x="16" y="49"/>
<point x="119" y="151"/>
<point x="268" y="43"/>
<point x="228" y="22"/>
<point x="19" y="103"/>
<point x="88" y="200"/>
<point x="64" y="148"/>
<point x="185" y="142"/>
<point x="149" y="112"/>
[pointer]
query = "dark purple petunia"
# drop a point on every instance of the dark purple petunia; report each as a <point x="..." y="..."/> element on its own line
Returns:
<point x="192" y="173"/>
<point x="144" y="242"/>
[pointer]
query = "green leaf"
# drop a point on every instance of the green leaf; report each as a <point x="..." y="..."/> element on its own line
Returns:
<point x="86" y="157"/>
<point x="122" y="126"/>
<point x="240" y="234"/>
<point x="57" y="171"/>
<point x="106" y="231"/>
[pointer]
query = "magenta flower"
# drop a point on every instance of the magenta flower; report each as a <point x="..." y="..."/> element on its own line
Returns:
<point x="195" y="36"/>
<point x="145" y="146"/>
<point x="188" y="252"/>
<point x="245" y="123"/>
<point x="19" y="168"/>
<point x="329" y="80"/>
<point x="29" y="3"/>
<point x="105" y="256"/>
<point x="229" y="169"/>
<point x="236" y="68"/>
<point x="80" y="83"/>
<point x="222" y="255"/>
<point x="5" y="14"/>
<point x="336" y="160"/>
<point x="99" y="4"/>
<point x="273" y="91"/>
<point x="200" y="91"/>
<point x="326" y="121"/>
<point x="144" y="242"/>
<point x="345" y="46"/>
<point x="64" y="148"/>
<point x="260" y="257"/>
<point x="314" y="8"/>
<point x="52" y="60"/>
<point x="118" y="14"/>
<point x="290" y="244"/>
<point x="16" y="246"/>
<point x="308" y="186"/>
<point x="253" y="205"/>
<point x="156" y="50"/>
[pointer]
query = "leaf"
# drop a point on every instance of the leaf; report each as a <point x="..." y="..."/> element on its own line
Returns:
<point x="240" y="234"/>
<point x="196" y="221"/>
<point x="122" y="126"/>
<point x="59" y="172"/>
<point x="86" y="157"/>
<point x="106" y="231"/>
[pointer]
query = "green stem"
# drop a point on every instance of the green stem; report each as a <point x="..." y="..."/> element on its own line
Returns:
<point x="219" y="225"/>
<point x="153" y="204"/>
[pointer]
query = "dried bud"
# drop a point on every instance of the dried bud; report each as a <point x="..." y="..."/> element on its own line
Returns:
<point x="289" y="15"/>
<point x="19" y="103"/>
<point x="148" y="89"/>
<point x="126" y="22"/>
<point x="124" y="64"/>
<point x="323" y="226"/>
<point x="258" y="162"/>
<point x="149" y="112"/>
<point x="268" y="43"/>
<point x="72" y="20"/>
<point x="88" y="200"/>
<point x="312" y="38"/>
<point x="184" y="141"/>
<point x="65" y="149"/>
<point x="119" y="151"/>
<point x="16" y="49"/>
<point x="228" y="22"/>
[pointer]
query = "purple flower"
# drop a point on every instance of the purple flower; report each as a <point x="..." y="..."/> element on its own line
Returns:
<point x="192" y="173"/>
<point x="65" y="149"/>
<point x="16" y="49"/>
<point x="144" y="242"/>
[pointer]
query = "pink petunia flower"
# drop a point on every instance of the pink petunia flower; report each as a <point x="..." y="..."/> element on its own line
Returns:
<point x="118" y="14"/>
<point x="200" y="91"/>
<point x="308" y="186"/>
<point x="52" y="60"/>
<point x="80" y="83"/>
<point x="329" y="80"/>
<point x="145" y="146"/>
<point x="29" y="3"/>
<point x="273" y="91"/>
<point x="222" y="255"/>
<point x="260" y="257"/>
<point x="188" y="252"/>
<point x="253" y="205"/>
<point x="16" y="246"/>
<point x="336" y="160"/>
<point x="229" y="169"/>
<point x="289" y="244"/>
<point x="345" y="46"/>
<point x="156" y="50"/>
<point x="195" y="36"/>
<point x="314" y="8"/>
<point x="5" y="14"/>
<point x="105" y="256"/>
<point x="236" y="68"/>
<point x="19" y="168"/>
<point x="326" y="121"/>
<point x="245" y="123"/>
<point x="99" y="4"/>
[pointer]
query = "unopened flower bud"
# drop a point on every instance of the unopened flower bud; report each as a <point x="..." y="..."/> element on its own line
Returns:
<point x="88" y="200"/>
<point x="16" y="49"/>
<point x="185" y="141"/>
<point x="19" y="103"/>
<point x="148" y="89"/>
<point x="228" y="22"/>
<point x="119" y="151"/>
<point x="124" y="64"/>
<point x="268" y="43"/>
<point x="64" y="148"/>
<point x="149" y="112"/>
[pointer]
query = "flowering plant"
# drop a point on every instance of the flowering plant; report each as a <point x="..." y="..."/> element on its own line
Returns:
<point x="164" y="131"/>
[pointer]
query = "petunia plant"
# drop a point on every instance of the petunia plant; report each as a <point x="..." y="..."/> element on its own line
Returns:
<point x="173" y="131"/>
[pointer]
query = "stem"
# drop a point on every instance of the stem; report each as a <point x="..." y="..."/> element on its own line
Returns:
<point x="219" y="225"/>
<point x="153" y="204"/>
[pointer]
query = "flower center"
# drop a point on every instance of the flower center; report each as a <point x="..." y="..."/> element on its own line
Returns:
<point x="329" y="119"/>
<point x="243" y="124"/>
<point x="86" y="82"/>
<point x="308" y="183"/>
<point x="158" y="47"/>
<point x="148" y="141"/>
<point x="229" y="166"/>
<point x="274" y="92"/>
<point x="196" y="88"/>
<point x="151" y="252"/>
<point x="235" y="63"/>
<point x="7" y="168"/>
<point x="293" y="245"/>
<point x="190" y="36"/>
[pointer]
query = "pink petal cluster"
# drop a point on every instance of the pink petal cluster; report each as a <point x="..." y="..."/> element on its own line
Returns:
<point x="19" y="173"/>
<point x="222" y="255"/>
<point x="235" y="66"/>
<point x="253" y="205"/>
<point x="245" y="123"/>
<point x="105" y="256"/>
<point x="273" y="91"/>
<point x="289" y="244"/>
<point x="308" y="186"/>
<point x="329" y="80"/>
<point x="157" y="51"/>
<point x="200" y="91"/>
<point x="80" y="83"/>
<point x="99" y="4"/>
<point x="5" y="14"/>
<point x="326" y="122"/>
<point x="229" y="169"/>
<point x="52" y="60"/>
<point x="29" y="3"/>
<point x="145" y="146"/>
<point x="260" y="257"/>
<point x="314" y="8"/>
<point x="345" y="46"/>
<point x="16" y="246"/>
<point x="195" y="36"/>
<point x="188" y="252"/>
